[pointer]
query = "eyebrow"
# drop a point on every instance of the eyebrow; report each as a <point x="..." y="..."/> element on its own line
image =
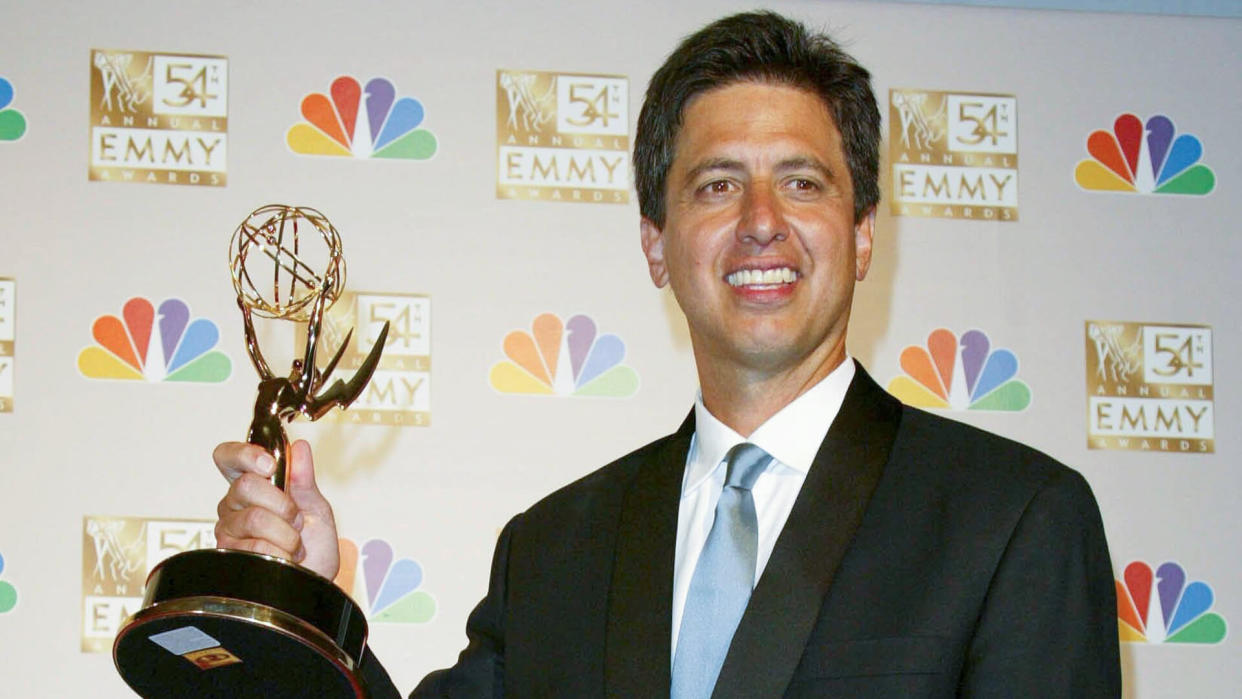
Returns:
<point x="713" y="164"/>
<point x="732" y="165"/>
<point x="805" y="163"/>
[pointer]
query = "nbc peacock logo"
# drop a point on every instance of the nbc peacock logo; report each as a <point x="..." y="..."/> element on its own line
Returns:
<point x="1161" y="607"/>
<point x="564" y="359"/>
<point x="1149" y="158"/>
<point x="391" y="587"/>
<point x="145" y="345"/>
<point x="359" y="121"/>
<point x="960" y="373"/>
<point x="8" y="593"/>
<point x="12" y="122"/>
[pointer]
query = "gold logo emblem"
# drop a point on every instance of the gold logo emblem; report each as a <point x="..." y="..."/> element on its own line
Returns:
<point x="562" y="136"/>
<point x="1149" y="387"/>
<point x="117" y="555"/>
<point x="159" y="117"/>
<point x="8" y="313"/>
<point x="954" y="154"/>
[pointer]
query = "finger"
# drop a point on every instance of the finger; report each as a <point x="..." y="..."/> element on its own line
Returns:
<point x="235" y="458"/>
<point x="302" y="466"/>
<point x="225" y="509"/>
<point x="250" y="490"/>
<point x="302" y="486"/>
<point x="257" y="524"/>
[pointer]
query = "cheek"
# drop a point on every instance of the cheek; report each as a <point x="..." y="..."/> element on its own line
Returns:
<point x="684" y="276"/>
<point x="836" y="263"/>
<point x="686" y="254"/>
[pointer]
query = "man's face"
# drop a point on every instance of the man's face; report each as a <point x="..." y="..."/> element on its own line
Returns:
<point x="759" y="242"/>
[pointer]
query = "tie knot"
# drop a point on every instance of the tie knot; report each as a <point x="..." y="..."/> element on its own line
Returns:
<point x="744" y="464"/>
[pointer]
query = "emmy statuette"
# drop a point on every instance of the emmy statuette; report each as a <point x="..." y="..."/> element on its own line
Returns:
<point x="224" y="623"/>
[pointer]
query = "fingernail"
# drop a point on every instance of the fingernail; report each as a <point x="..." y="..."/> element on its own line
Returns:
<point x="298" y="522"/>
<point x="300" y="555"/>
<point x="266" y="464"/>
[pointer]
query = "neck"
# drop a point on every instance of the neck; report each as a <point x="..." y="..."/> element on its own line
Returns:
<point x="745" y="397"/>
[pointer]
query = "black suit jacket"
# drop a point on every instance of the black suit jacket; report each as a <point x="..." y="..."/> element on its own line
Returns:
<point x="922" y="558"/>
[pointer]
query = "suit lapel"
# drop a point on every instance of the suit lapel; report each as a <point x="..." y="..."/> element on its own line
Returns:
<point x="640" y="605"/>
<point x="785" y="605"/>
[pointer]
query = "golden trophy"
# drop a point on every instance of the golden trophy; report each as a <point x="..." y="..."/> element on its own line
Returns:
<point x="225" y="623"/>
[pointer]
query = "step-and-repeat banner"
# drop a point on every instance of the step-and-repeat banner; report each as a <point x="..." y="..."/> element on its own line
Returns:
<point x="1055" y="261"/>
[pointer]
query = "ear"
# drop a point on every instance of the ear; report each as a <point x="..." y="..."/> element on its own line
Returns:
<point x="653" y="249"/>
<point x="864" y="230"/>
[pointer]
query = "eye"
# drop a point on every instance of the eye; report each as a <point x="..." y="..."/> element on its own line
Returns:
<point x="802" y="188"/>
<point x="716" y="189"/>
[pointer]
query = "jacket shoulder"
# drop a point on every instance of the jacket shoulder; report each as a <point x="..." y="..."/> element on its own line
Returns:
<point x="600" y="490"/>
<point x="962" y="451"/>
<point x="985" y="480"/>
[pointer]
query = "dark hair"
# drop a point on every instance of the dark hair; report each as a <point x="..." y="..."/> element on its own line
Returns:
<point x="762" y="47"/>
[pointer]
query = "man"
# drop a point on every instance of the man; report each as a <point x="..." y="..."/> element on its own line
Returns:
<point x="890" y="552"/>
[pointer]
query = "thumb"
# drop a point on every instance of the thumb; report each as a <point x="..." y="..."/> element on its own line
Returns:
<point x="301" y="486"/>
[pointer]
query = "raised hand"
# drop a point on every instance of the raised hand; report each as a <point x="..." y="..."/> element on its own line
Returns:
<point x="255" y="515"/>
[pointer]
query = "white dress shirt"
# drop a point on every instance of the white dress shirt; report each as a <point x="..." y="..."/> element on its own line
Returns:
<point x="792" y="437"/>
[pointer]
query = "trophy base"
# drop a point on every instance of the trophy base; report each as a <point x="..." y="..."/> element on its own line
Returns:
<point x="222" y="623"/>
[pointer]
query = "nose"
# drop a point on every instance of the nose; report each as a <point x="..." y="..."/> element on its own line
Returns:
<point x="761" y="219"/>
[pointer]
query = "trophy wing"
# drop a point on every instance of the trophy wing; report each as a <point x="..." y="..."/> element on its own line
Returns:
<point x="343" y="393"/>
<point x="327" y="370"/>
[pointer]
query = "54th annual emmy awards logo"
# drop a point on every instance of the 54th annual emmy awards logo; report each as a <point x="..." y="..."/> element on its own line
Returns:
<point x="562" y="136"/>
<point x="954" y="154"/>
<point x="1149" y="387"/>
<point x="159" y="118"/>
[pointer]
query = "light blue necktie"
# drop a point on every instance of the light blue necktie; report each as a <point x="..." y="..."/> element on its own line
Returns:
<point x="722" y="580"/>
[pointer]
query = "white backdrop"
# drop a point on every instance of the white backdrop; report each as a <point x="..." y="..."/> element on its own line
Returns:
<point x="75" y="447"/>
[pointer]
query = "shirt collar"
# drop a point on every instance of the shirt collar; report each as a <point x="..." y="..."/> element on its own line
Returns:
<point x="792" y="436"/>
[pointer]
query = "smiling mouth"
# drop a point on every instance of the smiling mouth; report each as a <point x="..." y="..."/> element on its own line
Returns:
<point x="762" y="277"/>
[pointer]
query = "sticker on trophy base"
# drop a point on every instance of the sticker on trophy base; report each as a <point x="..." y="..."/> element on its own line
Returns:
<point x="212" y="658"/>
<point x="184" y="640"/>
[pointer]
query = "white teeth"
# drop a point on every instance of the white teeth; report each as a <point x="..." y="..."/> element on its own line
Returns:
<point x="758" y="277"/>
